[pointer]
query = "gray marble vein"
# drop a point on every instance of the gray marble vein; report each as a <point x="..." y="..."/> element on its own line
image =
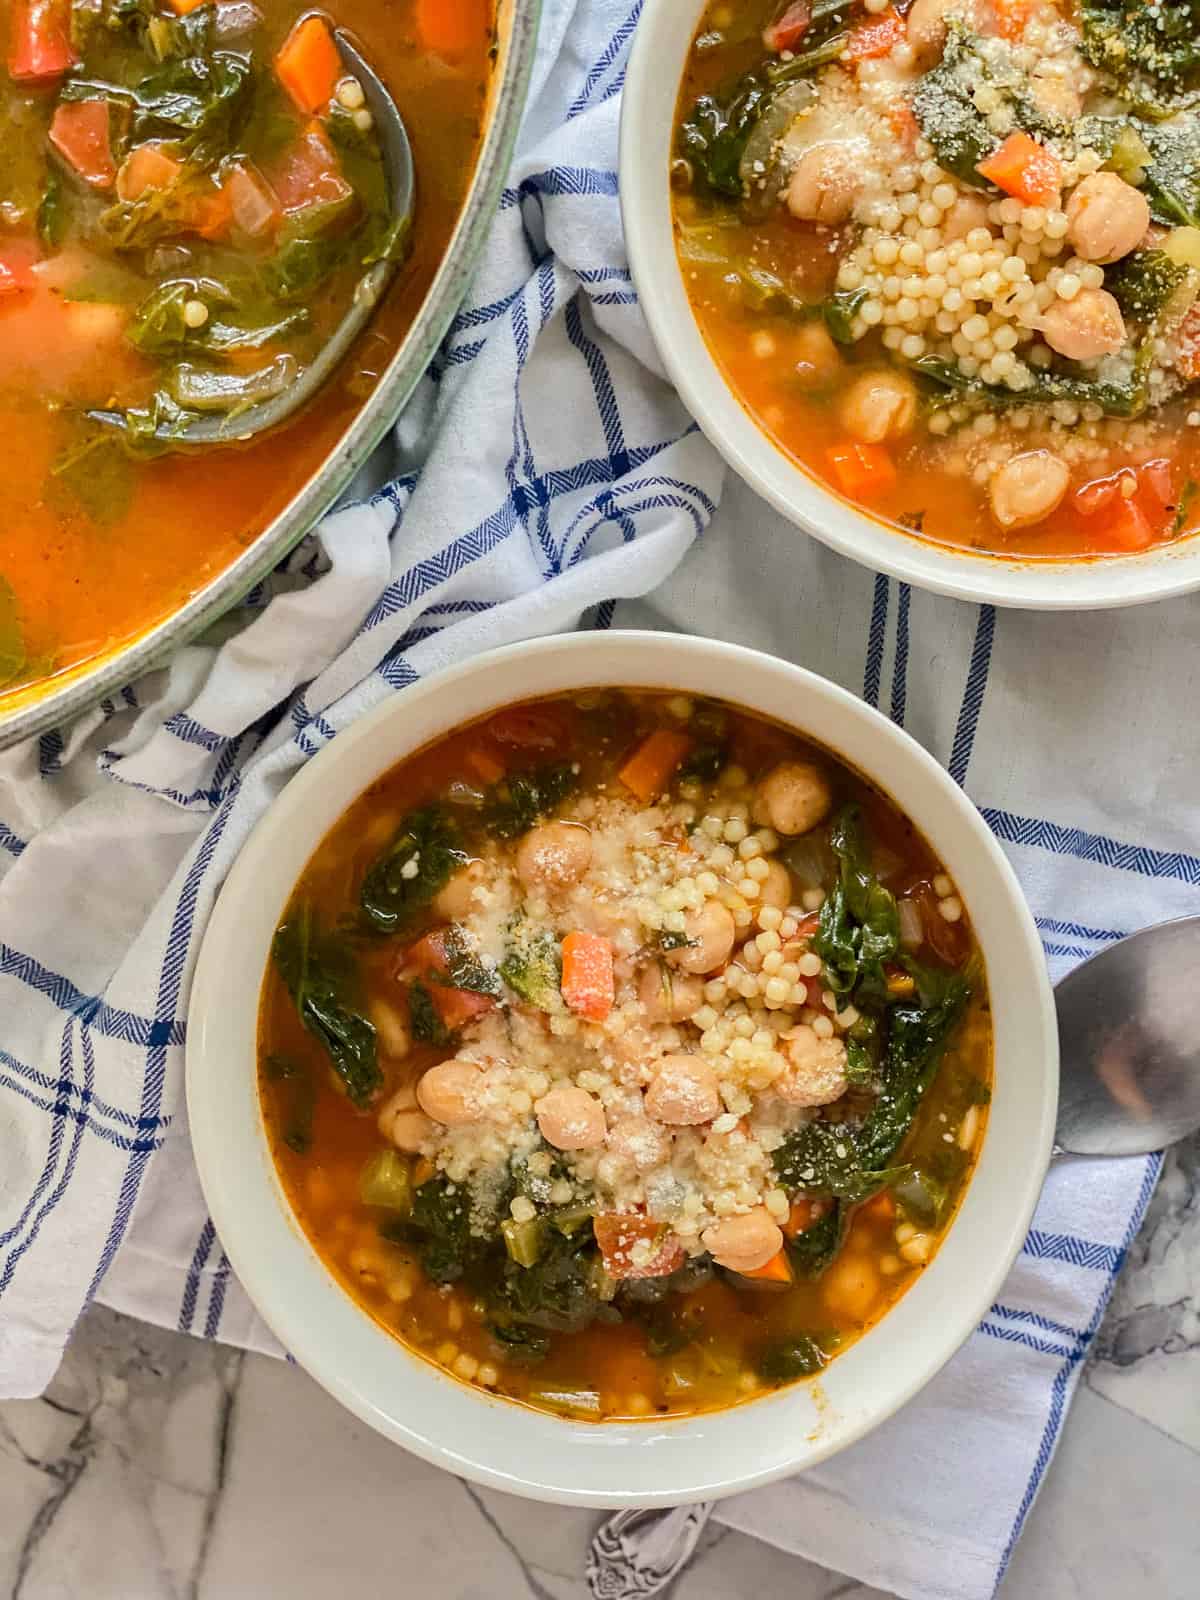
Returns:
<point x="158" y="1467"/>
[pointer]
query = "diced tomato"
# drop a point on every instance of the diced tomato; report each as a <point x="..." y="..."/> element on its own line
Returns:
<point x="533" y="728"/>
<point x="879" y="37"/>
<point x="903" y="123"/>
<point x="1158" y="480"/>
<point x="776" y="1273"/>
<point x="455" y="1007"/>
<point x="147" y="167"/>
<point x="1130" y="508"/>
<point x="81" y="132"/>
<point x="1025" y="169"/>
<point x="1012" y="17"/>
<point x="862" y="471"/>
<point x="791" y="27"/>
<point x="1126" y="525"/>
<point x="619" y="1232"/>
<point x="254" y="206"/>
<point x="309" y="173"/>
<point x="210" y="212"/>
<point x="1092" y="497"/>
<point x="39" y="40"/>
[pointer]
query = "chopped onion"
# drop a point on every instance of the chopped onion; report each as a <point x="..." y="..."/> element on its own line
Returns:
<point x="912" y="926"/>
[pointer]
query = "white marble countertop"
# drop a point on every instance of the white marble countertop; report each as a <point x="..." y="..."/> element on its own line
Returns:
<point x="158" y="1467"/>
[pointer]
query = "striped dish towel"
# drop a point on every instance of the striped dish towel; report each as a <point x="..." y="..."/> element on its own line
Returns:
<point x="545" y="478"/>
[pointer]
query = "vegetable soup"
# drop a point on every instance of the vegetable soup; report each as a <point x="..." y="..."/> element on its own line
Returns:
<point x="947" y="254"/>
<point x="625" y="1054"/>
<point x="191" y="194"/>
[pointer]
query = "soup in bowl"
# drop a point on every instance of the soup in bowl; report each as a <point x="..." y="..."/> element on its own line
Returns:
<point x="627" y="1052"/>
<point x="940" y="258"/>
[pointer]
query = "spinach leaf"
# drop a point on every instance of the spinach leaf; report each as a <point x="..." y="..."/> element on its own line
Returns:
<point x="704" y="763"/>
<point x="299" y="1096"/>
<point x="1130" y="40"/>
<point x="418" y="862"/>
<point x="668" y="1326"/>
<point x="54" y="210"/>
<point x="1172" y="177"/>
<point x="811" y="1252"/>
<point x="311" y="245"/>
<point x="917" y="1039"/>
<point x="320" y="975"/>
<point x="799" y="1356"/>
<point x="840" y="311"/>
<point x="859" y="927"/>
<point x="198" y="102"/>
<point x="1128" y="399"/>
<point x="943" y="103"/>
<point x="159" y="326"/>
<point x="532" y="967"/>
<point x="1145" y="283"/>
<point x="427" y="1027"/>
<point x="524" y="798"/>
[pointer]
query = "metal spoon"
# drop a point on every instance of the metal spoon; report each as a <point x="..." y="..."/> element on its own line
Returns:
<point x="398" y="163"/>
<point x="1129" y="1040"/>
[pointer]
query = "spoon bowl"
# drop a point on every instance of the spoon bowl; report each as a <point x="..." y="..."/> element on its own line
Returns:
<point x="238" y="427"/>
<point x="1128" y="1030"/>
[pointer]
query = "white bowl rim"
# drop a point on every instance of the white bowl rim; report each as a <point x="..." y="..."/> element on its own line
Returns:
<point x="414" y="1403"/>
<point x="647" y="113"/>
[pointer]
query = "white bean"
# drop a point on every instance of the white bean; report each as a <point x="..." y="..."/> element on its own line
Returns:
<point x="683" y="1092"/>
<point x="571" y="1119"/>
<point x="554" y="855"/>
<point x="744" y="1243"/>
<point x="713" y="929"/>
<point x="452" y="1093"/>
<point x="825" y="183"/>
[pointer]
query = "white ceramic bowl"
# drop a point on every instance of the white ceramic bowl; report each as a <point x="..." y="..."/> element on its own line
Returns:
<point x="647" y="129"/>
<point x="497" y="1442"/>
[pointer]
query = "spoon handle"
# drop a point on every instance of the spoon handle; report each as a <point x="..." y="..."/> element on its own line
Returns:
<point x="636" y="1554"/>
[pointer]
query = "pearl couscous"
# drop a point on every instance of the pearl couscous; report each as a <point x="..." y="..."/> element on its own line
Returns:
<point x="610" y="1046"/>
<point x="948" y="251"/>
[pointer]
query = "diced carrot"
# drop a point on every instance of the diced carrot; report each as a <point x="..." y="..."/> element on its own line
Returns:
<point x="39" y="40"/>
<point x="800" y="1218"/>
<point x="1026" y="170"/>
<point x="903" y="123"/>
<point x="183" y="8"/>
<point x="308" y="64"/>
<point x="254" y="206"/>
<point x="881" y="1205"/>
<point x="787" y="33"/>
<point x="452" y="28"/>
<point x="81" y="133"/>
<point x="429" y="959"/>
<point x="777" y="1270"/>
<point x="16" y="271"/>
<point x="588" y="985"/>
<point x="879" y="37"/>
<point x="485" y="765"/>
<point x="1125" y="524"/>
<point x="650" y="768"/>
<point x="618" y="1232"/>
<point x="862" y="471"/>
<point x="210" y="212"/>
<point x="539" y="728"/>
<point x="147" y="167"/>
<point x="309" y="172"/>
<point x="901" y="985"/>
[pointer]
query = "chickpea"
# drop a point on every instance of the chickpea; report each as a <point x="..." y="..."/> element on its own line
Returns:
<point x="927" y="27"/>
<point x="850" y="1286"/>
<point x="1028" y="488"/>
<point x="776" y="888"/>
<point x="1056" y="99"/>
<point x="1085" y="328"/>
<point x="712" y="928"/>
<point x="646" y="1144"/>
<point x="452" y="1093"/>
<point x="669" y="996"/>
<point x="818" y="360"/>
<point x="825" y="183"/>
<point x="816" y="1074"/>
<point x="793" y="797"/>
<point x="969" y="211"/>
<point x="1107" y="218"/>
<point x="570" y="1118"/>
<point x="454" y="901"/>
<point x="879" y="405"/>
<point x="684" y="1092"/>
<point x="402" y="1123"/>
<point x="554" y="856"/>
<point x="744" y="1243"/>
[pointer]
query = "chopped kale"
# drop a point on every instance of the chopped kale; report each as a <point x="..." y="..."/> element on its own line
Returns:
<point x="917" y="1039"/>
<point x="522" y="1344"/>
<point x="1145" y="283"/>
<point x="943" y="103"/>
<point x="1172" y="177"/>
<point x="829" y="1158"/>
<point x="1128" y="399"/>
<point x="321" y="977"/>
<point x="411" y="871"/>
<point x="1139" y="43"/>
<point x="532" y="967"/>
<point x="298" y="1095"/>
<point x="669" y="1326"/>
<point x="523" y="798"/>
<point x="465" y="969"/>
<point x="811" y="1252"/>
<point x="704" y="763"/>
<point x="427" y="1027"/>
<point x="859" y="926"/>
<point x="799" y="1356"/>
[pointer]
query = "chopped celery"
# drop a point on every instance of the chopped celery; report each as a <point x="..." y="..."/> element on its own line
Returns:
<point x="922" y="1197"/>
<point x="567" y="1400"/>
<point x="386" y="1182"/>
<point x="524" y="1240"/>
<point x="571" y="1218"/>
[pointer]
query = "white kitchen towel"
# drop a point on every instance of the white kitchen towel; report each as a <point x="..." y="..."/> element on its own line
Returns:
<point x="544" y="477"/>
